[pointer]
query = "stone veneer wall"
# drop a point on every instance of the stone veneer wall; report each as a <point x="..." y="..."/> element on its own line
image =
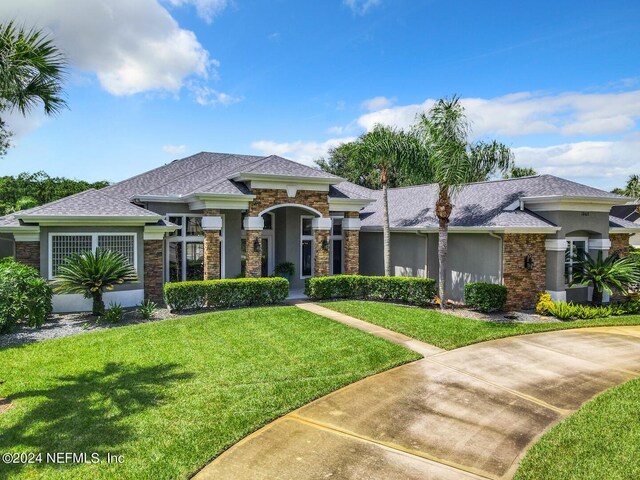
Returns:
<point x="351" y="247"/>
<point x="153" y="271"/>
<point x="523" y="285"/>
<point x="29" y="254"/>
<point x="268" y="197"/>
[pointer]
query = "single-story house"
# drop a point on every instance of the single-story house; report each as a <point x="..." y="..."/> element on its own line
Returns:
<point x="214" y="215"/>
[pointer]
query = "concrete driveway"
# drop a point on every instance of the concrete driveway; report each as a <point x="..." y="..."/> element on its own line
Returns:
<point x="466" y="413"/>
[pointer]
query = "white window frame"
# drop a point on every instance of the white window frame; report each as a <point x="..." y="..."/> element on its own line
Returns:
<point x="184" y="239"/>
<point x="570" y="241"/>
<point x="333" y="237"/>
<point x="94" y="244"/>
<point x="313" y="246"/>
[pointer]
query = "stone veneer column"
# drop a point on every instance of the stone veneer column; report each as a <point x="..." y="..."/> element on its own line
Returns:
<point x="253" y="255"/>
<point x="620" y="246"/>
<point x="321" y="236"/>
<point x="523" y="285"/>
<point x="153" y="270"/>
<point x="211" y="226"/>
<point x="351" y="235"/>
<point x="619" y="243"/>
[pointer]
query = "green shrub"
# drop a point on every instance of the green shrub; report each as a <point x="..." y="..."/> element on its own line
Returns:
<point x="411" y="290"/>
<point x="486" y="297"/>
<point x="113" y="314"/>
<point x="240" y="292"/>
<point x="147" y="309"/>
<point x="24" y="295"/>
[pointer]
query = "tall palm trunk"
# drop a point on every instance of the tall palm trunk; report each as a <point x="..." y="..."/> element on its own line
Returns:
<point x="386" y="235"/>
<point x="596" y="299"/>
<point x="443" y="212"/>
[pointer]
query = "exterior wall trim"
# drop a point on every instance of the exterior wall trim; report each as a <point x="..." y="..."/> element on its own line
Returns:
<point x="351" y="224"/>
<point x="556" y="244"/>
<point x="599" y="244"/>
<point x="296" y="205"/>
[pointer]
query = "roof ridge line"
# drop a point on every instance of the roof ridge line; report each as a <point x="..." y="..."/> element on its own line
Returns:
<point x="39" y="207"/>
<point x="226" y="155"/>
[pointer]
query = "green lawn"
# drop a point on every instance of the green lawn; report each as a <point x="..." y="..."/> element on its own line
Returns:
<point x="171" y="395"/>
<point x="449" y="331"/>
<point x="599" y="441"/>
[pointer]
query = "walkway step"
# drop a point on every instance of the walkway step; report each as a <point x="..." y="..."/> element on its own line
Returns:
<point x="422" y="348"/>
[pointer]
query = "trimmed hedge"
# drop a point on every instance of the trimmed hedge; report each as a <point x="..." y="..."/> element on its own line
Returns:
<point x="24" y="295"/>
<point x="226" y="293"/>
<point x="412" y="290"/>
<point x="486" y="297"/>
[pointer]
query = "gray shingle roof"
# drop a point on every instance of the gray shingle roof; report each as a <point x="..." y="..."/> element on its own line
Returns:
<point x="626" y="212"/>
<point x="86" y="204"/>
<point x="479" y="204"/>
<point x="207" y="172"/>
<point x="615" y="222"/>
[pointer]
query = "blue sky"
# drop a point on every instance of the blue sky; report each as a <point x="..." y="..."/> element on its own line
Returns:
<point x="154" y="80"/>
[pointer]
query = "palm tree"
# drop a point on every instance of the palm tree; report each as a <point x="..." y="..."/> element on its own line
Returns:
<point x="631" y="189"/>
<point x="92" y="274"/>
<point x="31" y="70"/>
<point x="604" y="275"/>
<point x="384" y="150"/>
<point x="449" y="158"/>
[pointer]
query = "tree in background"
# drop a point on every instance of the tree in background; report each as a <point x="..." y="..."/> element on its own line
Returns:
<point x="631" y="189"/>
<point x="344" y="161"/>
<point x="519" y="172"/>
<point x="448" y="156"/>
<point x="31" y="189"/>
<point x="31" y="72"/>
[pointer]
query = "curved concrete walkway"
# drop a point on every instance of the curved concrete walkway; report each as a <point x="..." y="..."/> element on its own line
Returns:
<point x="467" y="413"/>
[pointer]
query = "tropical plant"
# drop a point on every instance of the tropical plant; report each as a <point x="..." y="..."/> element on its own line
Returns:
<point x="449" y="157"/>
<point x="113" y="314"/>
<point x="284" y="269"/>
<point x="604" y="275"/>
<point x="384" y="150"/>
<point x="147" y="309"/>
<point x="31" y="70"/>
<point x="631" y="189"/>
<point x="91" y="274"/>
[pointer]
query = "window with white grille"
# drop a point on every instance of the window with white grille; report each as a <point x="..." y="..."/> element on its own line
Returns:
<point x="124" y="244"/>
<point x="63" y="245"/>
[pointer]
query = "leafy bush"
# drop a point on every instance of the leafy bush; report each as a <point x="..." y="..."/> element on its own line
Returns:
<point x="113" y="314"/>
<point x="284" y="269"/>
<point x="412" y="290"/>
<point x="24" y="295"/>
<point x="563" y="310"/>
<point x="543" y="303"/>
<point x="147" y="309"/>
<point x="240" y="292"/>
<point x="486" y="297"/>
<point x="569" y="311"/>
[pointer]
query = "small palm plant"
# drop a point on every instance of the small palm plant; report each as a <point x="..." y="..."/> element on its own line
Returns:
<point x="92" y="274"/>
<point x="605" y="275"/>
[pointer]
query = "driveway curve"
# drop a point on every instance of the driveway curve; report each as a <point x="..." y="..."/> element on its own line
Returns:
<point x="462" y="414"/>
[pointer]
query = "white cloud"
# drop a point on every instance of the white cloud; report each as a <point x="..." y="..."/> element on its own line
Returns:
<point x="208" y="96"/>
<point x="132" y="46"/>
<point x="526" y="113"/>
<point x="360" y="7"/>
<point x="206" y="9"/>
<point x="174" y="149"/>
<point x="605" y="163"/>
<point x="377" y="103"/>
<point x="302" y="152"/>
